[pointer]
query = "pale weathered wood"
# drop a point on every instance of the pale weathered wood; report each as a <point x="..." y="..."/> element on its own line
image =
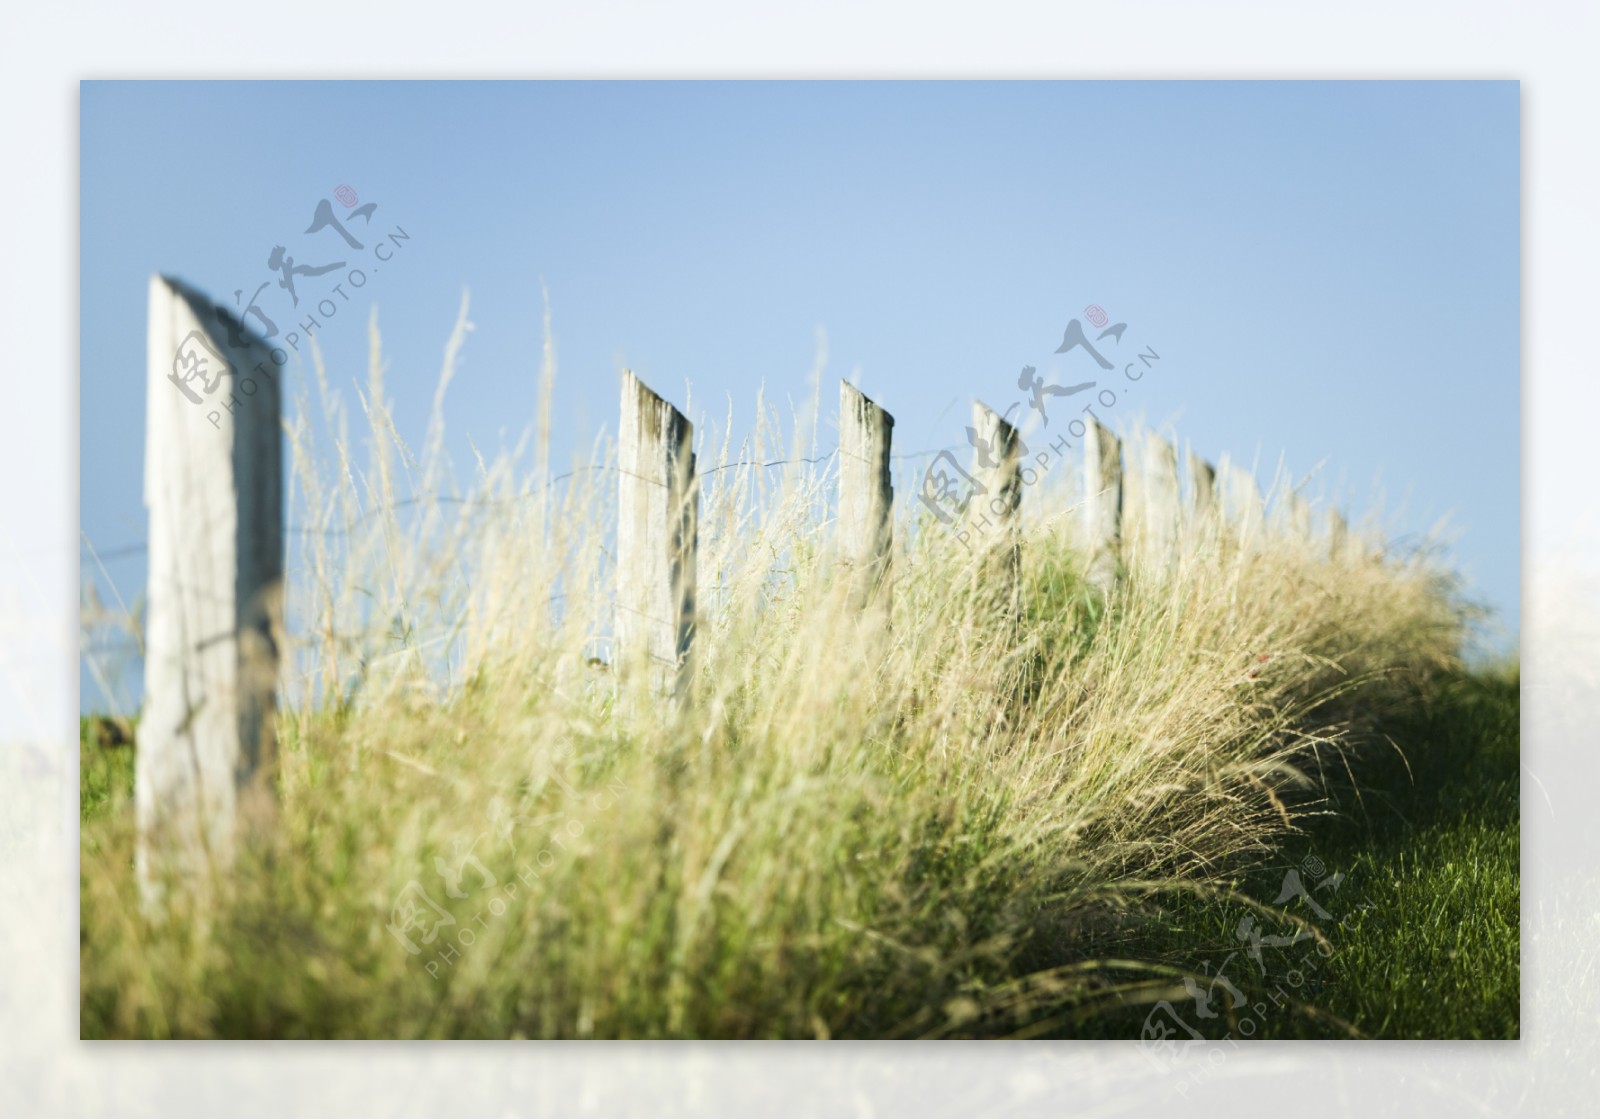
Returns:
<point x="1338" y="536"/>
<point x="998" y="470"/>
<point x="658" y="514"/>
<point x="1299" y="517"/>
<point x="866" y="494"/>
<point x="1241" y="500"/>
<point x="1102" y="502"/>
<point x="213" y="484"/>
<point x="1159" y="500"/>
<point x="991" y="517"/>
<point x="1202" y="488"/>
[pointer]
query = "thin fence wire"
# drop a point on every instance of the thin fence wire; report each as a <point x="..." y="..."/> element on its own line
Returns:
<point x="139" y="548"/>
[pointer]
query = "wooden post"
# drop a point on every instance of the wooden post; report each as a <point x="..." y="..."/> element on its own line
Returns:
<point x="1299" y="517"/>
<point x="1102" y="505"/>
<point x="1159" y="485"/>
<point x="866" y="495"/>
<point x="1338" y="536"/>
<point x="213" y="484"/>
<point x="1203" y="488"/>
<point x="1241" y="499"/>
<point x="992" y="514"/>
<point x="658" y="514"/>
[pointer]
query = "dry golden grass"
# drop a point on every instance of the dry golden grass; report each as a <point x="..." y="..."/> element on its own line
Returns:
<point x="863" y="825"/>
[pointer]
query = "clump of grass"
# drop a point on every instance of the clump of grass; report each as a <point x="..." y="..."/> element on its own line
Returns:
<point x="1415" y="868"/>
<point x="105" y="765"/>
<point x="899" y="823"/>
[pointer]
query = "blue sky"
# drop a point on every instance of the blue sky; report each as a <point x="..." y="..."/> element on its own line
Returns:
<point x="1330" y="271"/>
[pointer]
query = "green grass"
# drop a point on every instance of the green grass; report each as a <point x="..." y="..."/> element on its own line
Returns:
<point x="1423" y="936"/>
<point x="1438" y="953"/>
<point x="105" y="769"/>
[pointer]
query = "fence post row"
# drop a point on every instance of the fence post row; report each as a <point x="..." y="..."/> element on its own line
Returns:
<point x="214" y="489"/>
<point x="658" y="510"/>
<point x="866" y="494"/>
<point x="213" y="485"/>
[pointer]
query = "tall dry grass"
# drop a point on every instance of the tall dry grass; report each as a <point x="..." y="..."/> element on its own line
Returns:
<point x="901" y="823"/>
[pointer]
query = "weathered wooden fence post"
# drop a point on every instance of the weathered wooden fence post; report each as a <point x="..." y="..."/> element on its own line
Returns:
<point x="1202" y="488"/>
<point x="1339" y="538"/>
<point x="992" y="514"/>
<point x="866" y="494"/>
<point x="1241" y="499"/>
<point x="1299" y="517"/>
<point x="213" y="484"/>
<point x="1158" y="485"/>
<point x="658" y="514"/>
<point x="1102" y="505"/>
